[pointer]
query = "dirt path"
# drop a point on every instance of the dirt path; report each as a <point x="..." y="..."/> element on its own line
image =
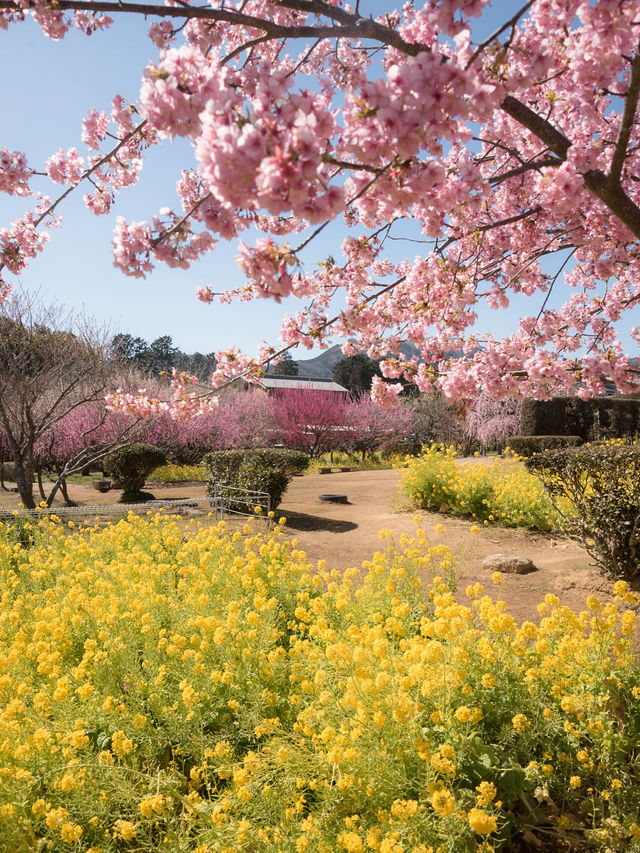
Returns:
<point x="346" y="534"/>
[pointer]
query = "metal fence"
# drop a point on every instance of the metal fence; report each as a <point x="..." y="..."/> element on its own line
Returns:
<point x="226" y="501"/>
<point x="230" y="501"/>
<point x="179" y="505"/>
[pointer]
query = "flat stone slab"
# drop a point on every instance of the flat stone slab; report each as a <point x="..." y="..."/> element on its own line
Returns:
<point x="334" y="499"/>
<point x="508" y="564"/>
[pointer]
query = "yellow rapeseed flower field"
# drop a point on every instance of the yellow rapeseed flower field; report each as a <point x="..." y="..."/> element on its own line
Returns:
<point x="209" y="691"/>
<point x="496" y="491"/>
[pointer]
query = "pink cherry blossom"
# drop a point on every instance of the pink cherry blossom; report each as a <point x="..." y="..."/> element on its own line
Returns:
<point x="456" y="174"/>
<point x="14" y="173"/>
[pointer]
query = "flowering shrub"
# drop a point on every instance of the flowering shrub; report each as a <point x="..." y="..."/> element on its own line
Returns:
<point x="499" y="490"/>
<point x="211" y="692"/>
<point x="492" y="422"/>
<point x="601" y="486"/>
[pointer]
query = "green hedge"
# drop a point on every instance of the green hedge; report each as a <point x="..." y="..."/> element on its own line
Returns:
<point x="130" y="466"/>
<point x="525" y="445"/>
<point x="263" y="470"/>
<point x="601" y="484"/>
<point x="593" y="420"/>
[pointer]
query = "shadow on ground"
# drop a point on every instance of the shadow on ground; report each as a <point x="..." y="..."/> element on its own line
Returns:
<point x="302" y="521"/>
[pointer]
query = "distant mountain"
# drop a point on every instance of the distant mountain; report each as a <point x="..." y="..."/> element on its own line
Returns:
<point x="321" y="367"/>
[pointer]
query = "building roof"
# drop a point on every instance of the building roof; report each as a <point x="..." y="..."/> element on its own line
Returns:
<point x="301" y="383"/>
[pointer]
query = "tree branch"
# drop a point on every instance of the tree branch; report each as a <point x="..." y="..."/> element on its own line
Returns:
<point x="510" y="23"/>
<point x="614" y="197"/>
<point x="90" y="170"/>
<point x="554" y="139"/>
<point x="526" y="167"/>
<point x="626" y="124"/>
<point x="350" y="25"/>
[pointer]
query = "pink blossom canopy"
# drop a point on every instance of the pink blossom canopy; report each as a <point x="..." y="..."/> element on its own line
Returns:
<point x="515" y="163"/>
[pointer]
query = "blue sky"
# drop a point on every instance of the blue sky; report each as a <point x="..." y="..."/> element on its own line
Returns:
<point x="52" y="87"/>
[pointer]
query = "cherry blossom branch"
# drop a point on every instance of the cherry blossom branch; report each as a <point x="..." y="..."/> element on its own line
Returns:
<point x="627" y="123"/>
<point x="614" y="197"/>
<point x="88" y="172"/>
<point x="178" y="225"/>
<point x="351" y="25"/>
<point x="526" y="167"/>
<point x="510" y="23"/>
<point x="367" y="186"/>
<point x="554" y="139"/>
<point x="320" y="328"/>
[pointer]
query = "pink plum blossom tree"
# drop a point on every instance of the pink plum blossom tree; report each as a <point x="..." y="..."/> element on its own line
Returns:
<point x="310" y="420"/>
<point x="244" y="420"/>
<point x="492" y="422"/>
<point x="371" y="427"/>
<point x="514" y="160"/>
<point x="81" y="438"/>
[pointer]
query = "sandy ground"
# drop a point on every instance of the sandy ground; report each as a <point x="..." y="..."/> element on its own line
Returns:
<point x="346" y="534"/>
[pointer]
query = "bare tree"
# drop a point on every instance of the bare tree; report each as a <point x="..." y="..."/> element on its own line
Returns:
<point x="51" y="362"/>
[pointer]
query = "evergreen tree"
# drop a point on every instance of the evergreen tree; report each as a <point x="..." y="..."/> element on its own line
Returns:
<point x="356" y="372"/>
<point x="285" y="367"/>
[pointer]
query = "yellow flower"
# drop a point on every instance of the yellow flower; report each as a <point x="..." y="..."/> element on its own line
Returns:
<point x="443" y="802"/>
<point x="520" y="723"/>
<point x="124" y="829"/>
<point x="70" y="832"/>
<point x="575" y="782"/>
<point x="487" y="793"/>
<point x="462" y="714"/>
<point x="351" y="842"/>
<point x="481" y="822"/>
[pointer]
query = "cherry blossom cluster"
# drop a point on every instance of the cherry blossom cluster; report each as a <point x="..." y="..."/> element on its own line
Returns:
<point x="183" y="405"/>
<point x="14" y="173"/>
<point x="515" y="163"/>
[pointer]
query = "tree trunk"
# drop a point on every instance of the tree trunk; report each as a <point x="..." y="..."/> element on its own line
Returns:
<point x="65" y="494"/>
<point x="43" y="497"/>
<point x="24" y="481"/>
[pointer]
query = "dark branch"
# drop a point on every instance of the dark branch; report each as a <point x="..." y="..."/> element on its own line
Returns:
<point x="526" y="167"/>
<point x="349" y="25"/>
<point x="540" y="127"/>
<point x="510" y="23"/>
<point x="614" y="197"/>
<point x="626" y="125"/>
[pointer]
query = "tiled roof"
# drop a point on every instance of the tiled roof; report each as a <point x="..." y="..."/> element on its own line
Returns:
<point x="300" y="383"/>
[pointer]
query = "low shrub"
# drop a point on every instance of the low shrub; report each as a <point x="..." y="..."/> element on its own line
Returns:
<point x="209" y="692"/>
<point x="526" y="445"/>
<point x="266" y="470"/>
<point x="596" y="490"/>
<point x="499" y="491"/>
<point x="171" y="473"/>
<point x="130" y="466"/>
<point x="376" y="461"/>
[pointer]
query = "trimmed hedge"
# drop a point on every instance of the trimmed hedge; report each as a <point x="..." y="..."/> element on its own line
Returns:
<point x="601" y="482"/>
<point x="262" y="470"/>
<point x="526" y="445"/>
<point x="130" y="466"/>
<point x="593" y="420"/>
